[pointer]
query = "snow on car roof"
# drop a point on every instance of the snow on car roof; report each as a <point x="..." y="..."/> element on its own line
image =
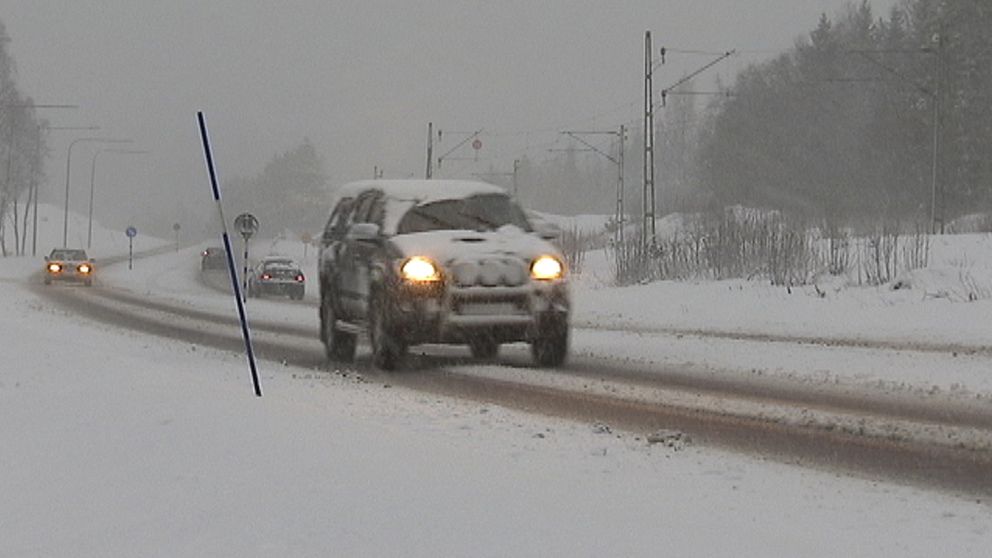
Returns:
<point x="419" y="191"/>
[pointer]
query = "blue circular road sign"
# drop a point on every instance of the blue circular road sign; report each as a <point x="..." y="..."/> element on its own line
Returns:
<point x="131" y="232"/>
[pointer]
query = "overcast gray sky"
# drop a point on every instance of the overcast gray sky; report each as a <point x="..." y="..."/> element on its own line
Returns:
<point x="361" y="79"/>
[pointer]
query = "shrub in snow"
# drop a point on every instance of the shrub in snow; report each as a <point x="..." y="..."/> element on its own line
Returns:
<point x="753" y="244"/>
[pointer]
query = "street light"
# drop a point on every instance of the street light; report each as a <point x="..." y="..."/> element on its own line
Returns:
<point x="68" y="166"/>
<point x="34" y="224"/>
<point x="89" y="230"/>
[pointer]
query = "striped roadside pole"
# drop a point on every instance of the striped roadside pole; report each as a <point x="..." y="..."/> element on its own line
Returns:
<point x="245" y="331"/>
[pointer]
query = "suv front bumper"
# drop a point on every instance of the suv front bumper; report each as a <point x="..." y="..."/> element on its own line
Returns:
<point x="452" y="314"/>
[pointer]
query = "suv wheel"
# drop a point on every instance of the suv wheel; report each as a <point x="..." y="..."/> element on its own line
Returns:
<point x="338" y="345"/>
<point x="387" y="349"/>
<point x="551" y="346"/>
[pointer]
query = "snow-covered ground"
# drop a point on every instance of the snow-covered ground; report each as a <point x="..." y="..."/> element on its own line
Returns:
<point x="118" y="443"/>
<point x="931" y="306"/>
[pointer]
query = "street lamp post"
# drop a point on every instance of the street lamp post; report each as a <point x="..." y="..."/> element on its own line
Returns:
<point x="68" y="167"/>
<point x="34" y="211"/>
<point x="89" y="230"/>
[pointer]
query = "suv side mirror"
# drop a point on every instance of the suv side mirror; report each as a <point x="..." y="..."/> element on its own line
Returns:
<point x="547" y="231"/>
<point x="363" y="232"/>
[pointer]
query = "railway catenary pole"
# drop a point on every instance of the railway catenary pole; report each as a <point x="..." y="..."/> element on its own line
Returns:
<point x="648" y="194"/>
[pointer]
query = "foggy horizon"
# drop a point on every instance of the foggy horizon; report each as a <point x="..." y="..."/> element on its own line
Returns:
<point x="360" y="81"/>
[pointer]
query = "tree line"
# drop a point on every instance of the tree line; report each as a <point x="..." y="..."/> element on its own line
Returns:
<point x="22" y="147"/>
<point x="868" y="118"/>
<point x="864" y="118"/>
<point x="286" y="195"/>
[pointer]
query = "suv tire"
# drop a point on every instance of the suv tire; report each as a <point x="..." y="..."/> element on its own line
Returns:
<point x="387" y="348"/>
<point x="550" y="348"/>
<point x="338" y="345"/>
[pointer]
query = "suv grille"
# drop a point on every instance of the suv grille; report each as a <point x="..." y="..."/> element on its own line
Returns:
<point x="489" y="272"/>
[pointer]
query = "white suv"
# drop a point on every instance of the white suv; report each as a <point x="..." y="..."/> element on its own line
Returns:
<point x="438" y="261"/>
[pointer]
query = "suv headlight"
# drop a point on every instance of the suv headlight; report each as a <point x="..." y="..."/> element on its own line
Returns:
<point x="547" y="268"/>
<point x="420" y="270"/>
<point x="84" y="268"/>
<point x="54" y="267"/>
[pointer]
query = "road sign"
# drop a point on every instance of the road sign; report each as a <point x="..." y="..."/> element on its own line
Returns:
<point x="477" y="144"/>
<point x="131" y="232"/>
<point x="247" y="225"/>
<point x="176" y="227"/>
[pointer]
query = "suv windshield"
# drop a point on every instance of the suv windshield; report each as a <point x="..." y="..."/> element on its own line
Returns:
<point x="75" y="255"/>
<point x="484" y="212"/>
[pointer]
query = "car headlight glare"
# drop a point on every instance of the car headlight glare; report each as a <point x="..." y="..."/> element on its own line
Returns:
<point x="84" y="268"/>
<point x="546" y="268"/>
<point x="54" y="267"/>
<point x="419" y="269"/>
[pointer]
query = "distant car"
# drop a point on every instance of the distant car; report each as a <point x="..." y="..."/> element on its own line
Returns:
<point x="69" y="264"/>
<point x="277" y="275"/>
<point x="439" y="261"/>
<point x="213" y="258"/>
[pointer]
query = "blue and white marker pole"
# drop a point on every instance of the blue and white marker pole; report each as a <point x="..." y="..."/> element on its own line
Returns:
<point x="208" y="156"/>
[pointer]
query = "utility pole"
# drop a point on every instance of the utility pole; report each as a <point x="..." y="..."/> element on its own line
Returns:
<point x="648" y="194"/>
<point x="621" y="135"/>
<point x="430" y="149"/>
<point x="512" y="175"/>
<point x="470" y="136"/>
<point x="936" y="214"/>
<point x="516" y="169"/>
<point x="621" y="217"/>
<point x="936" y="192"/>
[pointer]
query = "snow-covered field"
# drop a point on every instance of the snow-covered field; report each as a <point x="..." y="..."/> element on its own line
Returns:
<point x="118" y="443"/>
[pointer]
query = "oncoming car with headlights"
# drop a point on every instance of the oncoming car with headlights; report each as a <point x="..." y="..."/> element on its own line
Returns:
<point x="69" y="264"/>
<point x="438" y="261"/>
